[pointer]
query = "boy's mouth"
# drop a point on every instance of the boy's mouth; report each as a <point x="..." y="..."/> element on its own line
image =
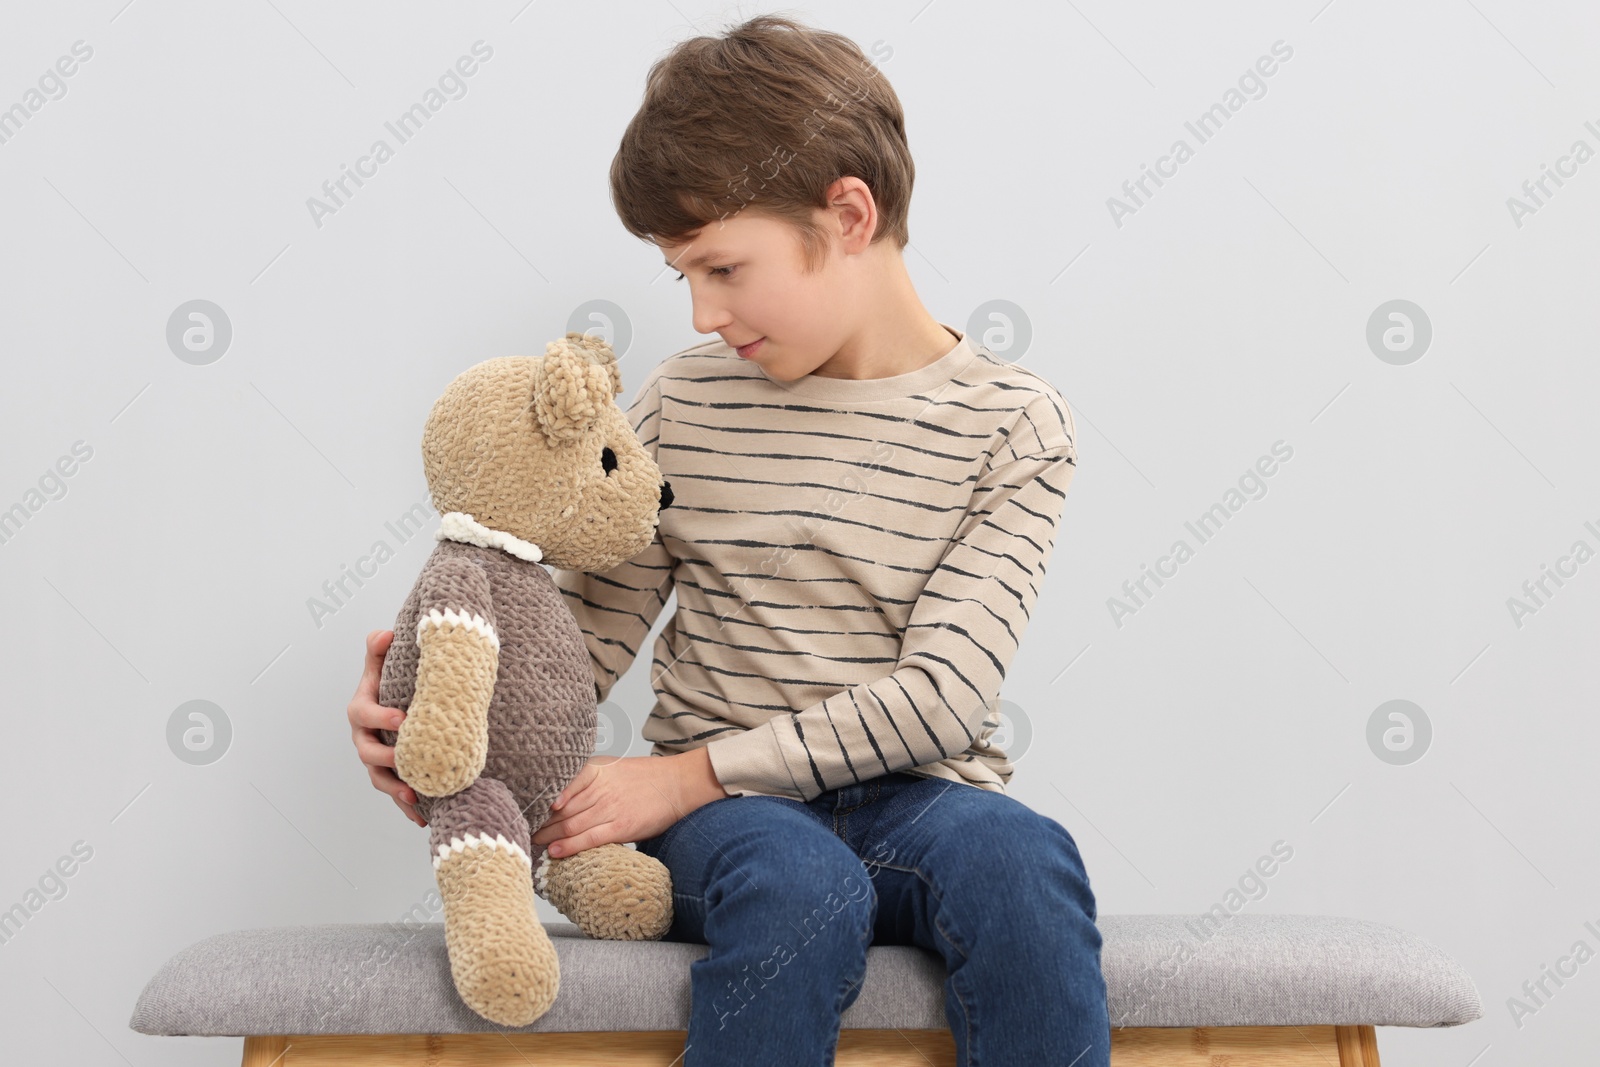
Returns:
<point x="746" y="351"/>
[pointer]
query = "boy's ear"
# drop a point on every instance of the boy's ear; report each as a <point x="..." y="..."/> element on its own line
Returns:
<point x="570" y="391"/>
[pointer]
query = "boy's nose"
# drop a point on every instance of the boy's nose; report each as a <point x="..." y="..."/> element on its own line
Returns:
<point x="709" y="319"/>
<point x="666" y="495"/>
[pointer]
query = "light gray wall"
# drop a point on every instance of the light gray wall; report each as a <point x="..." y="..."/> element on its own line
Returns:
<point x="1227" y="313"/>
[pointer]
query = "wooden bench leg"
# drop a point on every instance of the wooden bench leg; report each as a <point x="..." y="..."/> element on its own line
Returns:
<point x="265" y="1051"/>
<point x="1358" y="1046"/>
<point x="1279" y="1046"/>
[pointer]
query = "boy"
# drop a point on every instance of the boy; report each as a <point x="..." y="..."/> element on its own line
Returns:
<point x="864" y="505"/>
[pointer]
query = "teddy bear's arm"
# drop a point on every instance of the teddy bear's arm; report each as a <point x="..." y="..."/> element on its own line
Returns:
<point x="444" y="739"/>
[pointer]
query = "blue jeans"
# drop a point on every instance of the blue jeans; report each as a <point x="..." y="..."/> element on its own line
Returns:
<point x="788" y="894"/>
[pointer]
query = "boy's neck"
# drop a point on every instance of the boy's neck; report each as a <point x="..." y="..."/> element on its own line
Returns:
<point x="897" y="334"/>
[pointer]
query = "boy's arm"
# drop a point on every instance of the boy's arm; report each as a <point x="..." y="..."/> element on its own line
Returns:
<point x="616" y="608"/>
<point x="962" y="635"/>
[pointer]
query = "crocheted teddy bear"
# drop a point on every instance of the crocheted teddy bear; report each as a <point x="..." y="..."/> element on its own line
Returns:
<point x="528" y="459"/>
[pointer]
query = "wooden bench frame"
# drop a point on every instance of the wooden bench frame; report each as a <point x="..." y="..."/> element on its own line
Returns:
<point x="1234" y="1046"/>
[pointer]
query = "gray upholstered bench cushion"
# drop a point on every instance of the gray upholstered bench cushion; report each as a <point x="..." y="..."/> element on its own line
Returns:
<point x="1257" y="970"/>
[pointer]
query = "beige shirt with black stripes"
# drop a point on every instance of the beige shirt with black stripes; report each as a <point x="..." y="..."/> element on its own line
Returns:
<point x="855" y="562"/>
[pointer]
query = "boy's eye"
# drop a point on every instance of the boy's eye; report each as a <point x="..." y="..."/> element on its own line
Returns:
<point x="720" y="271"/>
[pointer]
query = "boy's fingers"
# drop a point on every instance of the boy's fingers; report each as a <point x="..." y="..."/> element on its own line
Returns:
<point x="364" y="711"/>
<point x="378" y="642"/>
<point x="573" y="800"/>
<point x="403" y="795"/>
<point x="411" y="812"/>
<point x="549" y="832"/>
<point x="373" y="752"/>
<point x="580" y="781"/>
<point x="369" y="715"/>
<point x="385" y="780"/>
<point x="391" y="783"/>
<point x="590" y="838"/>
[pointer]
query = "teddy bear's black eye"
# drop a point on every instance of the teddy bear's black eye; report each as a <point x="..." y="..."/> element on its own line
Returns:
<point x="608" y="460"/>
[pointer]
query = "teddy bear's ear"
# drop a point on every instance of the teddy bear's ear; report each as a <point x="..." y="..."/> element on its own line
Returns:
<point x="599" y="351"/>
<point x="569" y="392"/>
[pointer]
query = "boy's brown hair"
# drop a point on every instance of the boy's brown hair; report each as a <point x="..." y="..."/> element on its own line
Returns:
<point x="766" y="116"/>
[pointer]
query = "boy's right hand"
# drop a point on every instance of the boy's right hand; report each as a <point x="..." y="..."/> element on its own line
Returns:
<point x="367" y="717"/>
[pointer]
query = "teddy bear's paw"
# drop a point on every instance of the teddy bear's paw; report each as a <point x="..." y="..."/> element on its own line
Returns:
<point x="501" y="959"/>
<point x="508" y="989"/>
<point x="610" y="892"/>
<point x="439" y="767"/>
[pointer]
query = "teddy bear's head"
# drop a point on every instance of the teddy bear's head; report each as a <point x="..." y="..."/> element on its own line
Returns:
<point x="537" y="448"/>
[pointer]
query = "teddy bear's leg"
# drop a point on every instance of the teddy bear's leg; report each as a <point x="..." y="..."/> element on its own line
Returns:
<point x="610" y="892"/>
<point x="501" y="958"/>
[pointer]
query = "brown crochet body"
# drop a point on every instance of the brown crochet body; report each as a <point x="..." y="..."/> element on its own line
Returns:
<point x="530" y="463"/>
<point x="542" y="716"/>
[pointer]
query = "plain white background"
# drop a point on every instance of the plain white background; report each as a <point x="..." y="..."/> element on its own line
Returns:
<point x="1228" y="312"/>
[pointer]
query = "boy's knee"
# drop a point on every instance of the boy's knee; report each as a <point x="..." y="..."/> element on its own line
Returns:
<point x="1020" y="862"/>
<point x="799" y="897"/>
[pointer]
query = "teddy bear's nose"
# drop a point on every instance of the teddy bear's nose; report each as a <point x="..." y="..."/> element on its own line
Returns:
<point x="666" y="495"/>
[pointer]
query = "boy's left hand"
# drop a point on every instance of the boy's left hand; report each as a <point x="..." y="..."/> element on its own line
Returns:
<point x="616" y="799"/>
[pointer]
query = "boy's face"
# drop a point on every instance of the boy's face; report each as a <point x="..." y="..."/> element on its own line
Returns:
<point x="753" y="286"/>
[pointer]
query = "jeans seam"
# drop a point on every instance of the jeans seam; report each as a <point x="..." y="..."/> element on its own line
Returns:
<point x="877" y="785"/>
<point x="965" y="955"/>
<point x="923" y="875"/>
<point x="838" y="1002"/>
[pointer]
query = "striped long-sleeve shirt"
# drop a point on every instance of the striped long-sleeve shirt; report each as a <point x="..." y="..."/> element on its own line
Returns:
<point x="854" y="560"/>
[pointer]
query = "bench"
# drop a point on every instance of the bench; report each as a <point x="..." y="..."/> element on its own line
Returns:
<point x="1280" y="990"/>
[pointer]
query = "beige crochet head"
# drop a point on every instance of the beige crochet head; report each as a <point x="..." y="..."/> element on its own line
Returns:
<point x="536" y="447"/>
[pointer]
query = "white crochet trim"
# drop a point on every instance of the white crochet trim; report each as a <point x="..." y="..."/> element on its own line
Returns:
<point x="539" y="874"/>
<point x="459" y="845"/>
<point x="474" y="622"/>
<point x="459" y="526"/>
